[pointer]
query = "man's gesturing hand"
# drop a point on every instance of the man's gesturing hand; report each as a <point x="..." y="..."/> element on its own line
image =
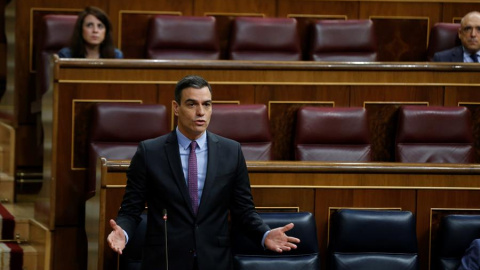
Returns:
<point x="278" y="241"/>
<point x="116" y="239"/>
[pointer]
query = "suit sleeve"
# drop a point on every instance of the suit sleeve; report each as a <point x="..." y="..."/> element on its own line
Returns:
<point x="133" y="203"/>
<point x="243" y="210"/>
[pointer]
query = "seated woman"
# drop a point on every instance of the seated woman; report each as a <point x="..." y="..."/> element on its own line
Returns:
<point x="92" y="37"/>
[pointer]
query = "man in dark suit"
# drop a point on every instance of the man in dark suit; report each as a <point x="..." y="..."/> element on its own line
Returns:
<point x="200" y="185"/>
<point x="469" y="34"/>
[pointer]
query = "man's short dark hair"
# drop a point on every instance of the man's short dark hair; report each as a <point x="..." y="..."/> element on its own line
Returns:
<point x="193" y="81"/>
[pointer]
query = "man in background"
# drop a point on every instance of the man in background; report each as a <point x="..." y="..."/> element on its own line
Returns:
<point x="469" y="34"/>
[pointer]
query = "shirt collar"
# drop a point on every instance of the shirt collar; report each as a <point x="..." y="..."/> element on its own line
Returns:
<point x="185" y="142"/>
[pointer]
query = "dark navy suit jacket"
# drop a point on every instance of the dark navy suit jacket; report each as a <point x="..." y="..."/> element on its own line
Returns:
<point x="155" y="176"/>
<point x="452" y="55"/>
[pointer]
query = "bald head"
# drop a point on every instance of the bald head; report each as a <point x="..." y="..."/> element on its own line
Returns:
<point x="469" y="31"/>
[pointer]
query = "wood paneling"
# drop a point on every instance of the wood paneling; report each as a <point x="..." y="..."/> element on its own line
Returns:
<point x="267" y="7"/>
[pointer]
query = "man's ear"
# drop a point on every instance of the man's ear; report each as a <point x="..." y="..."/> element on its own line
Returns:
<point x="175" y="107"/>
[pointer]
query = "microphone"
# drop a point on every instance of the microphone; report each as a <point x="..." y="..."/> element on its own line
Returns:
<point x="166" y="242"/>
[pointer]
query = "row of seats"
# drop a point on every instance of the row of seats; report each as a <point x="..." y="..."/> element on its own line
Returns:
<point x="338" y="134"/>
<point x="256" y="38"/>
<point x="251" y="38"/>
<point x="358" y="239"/>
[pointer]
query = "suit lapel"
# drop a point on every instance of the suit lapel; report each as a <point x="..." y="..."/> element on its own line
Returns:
<point x="213" y="149"/>
<point x="173" y="156"/>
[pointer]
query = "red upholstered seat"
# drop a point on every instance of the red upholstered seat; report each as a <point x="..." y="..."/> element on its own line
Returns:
<point x="54" y="33"/>
<point x="332" y="134"/>
<point x="183" y="37"/>
<point x="434" y="135"/>
<point x="343" y="40"/>
<point x="443" y="36"/>
<point x="255" y="38"/>
<point x="116" y="130"/>
<point x="246" y="124"/>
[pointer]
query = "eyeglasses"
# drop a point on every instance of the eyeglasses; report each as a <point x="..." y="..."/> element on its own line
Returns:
<point x="469" y="29"/>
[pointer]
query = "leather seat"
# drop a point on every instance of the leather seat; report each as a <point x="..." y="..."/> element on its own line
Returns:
<point x="55" y="32"/>
<point x="250" y="255"/>
<point x="183" y="37"/>
<point x="343" y="40"/>
<point x="373" y="240"/>
<point x="116" y="130"/>
<point x="455" y="234"/>
<point x="332" y="134"/>
<point x="443" y="36"/>
<point x="246" y="124"/>
<point x="434" y="135"/>
<point x="255" y="38"/>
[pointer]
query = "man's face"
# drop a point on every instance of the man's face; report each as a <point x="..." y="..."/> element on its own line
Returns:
<point x="194" y="111"/>
<point x="469" y="32"/>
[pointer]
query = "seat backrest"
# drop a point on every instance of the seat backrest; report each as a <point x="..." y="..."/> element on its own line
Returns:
<point x="246" y="124"/>
<point x="455" y="234"/>
<point x="332" y="134"/>
<point x="251" y="255"/>
<point x="55" y="32"/>
<point x="343" y="40"/>
<point x="116" y="130"/>
<point x="182" y="37"/>
<point x="131" y="258"/>
<point x="255" y="38"/>
<point x="443" y="36"/>
<point x="434" y="135"/>
<point x="373" y="240"/>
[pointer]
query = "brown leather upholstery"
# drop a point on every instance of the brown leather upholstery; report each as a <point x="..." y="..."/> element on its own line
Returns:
<point x="434" y="135"/>
<point x="54" y="33"/>
<point x="246" y="124"/>
<point x="443" y="36"/>
<point x="182" y="37"/>
<point x="116" y="130"/>
<point x="275" y="39"/>
<point x="339" y="40"/>
<point x="332" y="134"/>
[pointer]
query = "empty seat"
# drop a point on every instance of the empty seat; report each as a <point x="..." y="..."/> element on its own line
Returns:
<point x="455" y="234"/>
<point x="373" y="240"/>
<point x="332" y="134"/>
<point x="54" y="33"/>
<point x="182" y="37"/>
<point x="343" y="40"/>
<point x="116" y="130"/>
<point x="434" y="135"/>
<point x="250" y="255"/>
<point x="246" y="124"/>
<point x="275" y="39"/>
<point x="443" y="36"/>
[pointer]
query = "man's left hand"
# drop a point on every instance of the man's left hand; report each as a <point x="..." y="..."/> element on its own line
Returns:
<point x="278" y="241"/>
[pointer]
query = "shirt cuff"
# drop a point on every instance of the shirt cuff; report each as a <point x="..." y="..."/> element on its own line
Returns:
<point x="263" y="239"/>
<point x="126" y="236"/>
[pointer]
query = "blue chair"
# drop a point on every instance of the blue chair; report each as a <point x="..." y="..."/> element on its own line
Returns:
<point x="373" y="240"/>
<point x="250" y="255"/>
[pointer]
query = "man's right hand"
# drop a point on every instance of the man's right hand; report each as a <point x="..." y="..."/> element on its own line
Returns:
<point x="116" y="239"/>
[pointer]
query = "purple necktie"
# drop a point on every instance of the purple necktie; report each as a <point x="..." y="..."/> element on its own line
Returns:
<point x="474" y="57"/>
<point x="192" y="177"/>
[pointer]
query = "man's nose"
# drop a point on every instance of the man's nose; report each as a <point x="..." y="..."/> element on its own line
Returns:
<point x="200" y="110"/>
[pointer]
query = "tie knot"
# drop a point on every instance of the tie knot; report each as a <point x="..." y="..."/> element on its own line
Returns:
<point x="474" y="57"/>
<point x="193" y="146"/>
